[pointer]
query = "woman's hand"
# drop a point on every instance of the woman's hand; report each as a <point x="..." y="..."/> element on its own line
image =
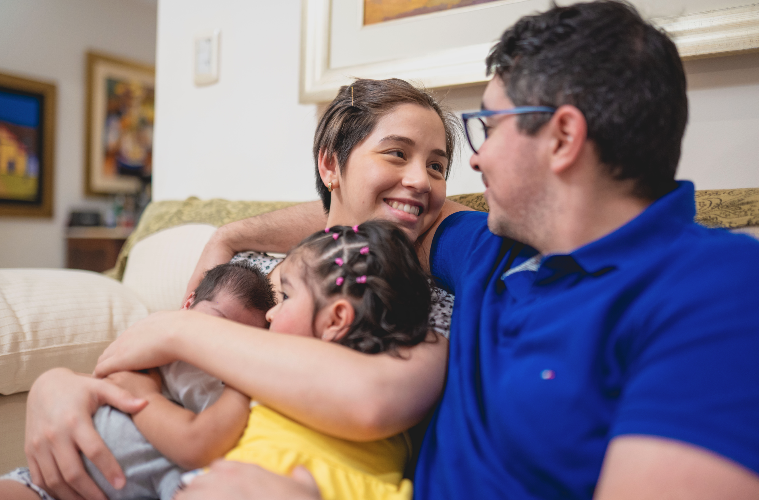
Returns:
<point x="145" y="344"/>
<point x="140" y="385"/>
<point x="228" y="480"/>
<point x="59" y="427"/>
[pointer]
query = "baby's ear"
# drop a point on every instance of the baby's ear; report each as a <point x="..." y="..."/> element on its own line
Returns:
<point x="189" y="302"/>
<point x="334" y="320"/>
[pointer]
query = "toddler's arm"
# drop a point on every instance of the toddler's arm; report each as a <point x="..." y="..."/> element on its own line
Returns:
<point x="188" y="439"/>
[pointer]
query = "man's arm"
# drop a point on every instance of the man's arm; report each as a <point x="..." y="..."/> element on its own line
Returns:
<point x="194" y="440"/>
<point x="424" y="243"/>
<point x="276" y="231"/>
<point x="648" y="467"/>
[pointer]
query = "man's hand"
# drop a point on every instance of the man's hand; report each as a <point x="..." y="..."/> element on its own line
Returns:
<point x="140" y="385"/>
<point x="227" y="480"/>
<point x="59" y="427"/>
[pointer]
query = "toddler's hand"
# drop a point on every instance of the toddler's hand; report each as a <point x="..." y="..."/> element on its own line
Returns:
<point x="140" y="385"/>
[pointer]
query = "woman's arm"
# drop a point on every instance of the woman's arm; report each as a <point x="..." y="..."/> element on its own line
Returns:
<point x="329" y="387"/>
<point x="263" y="233"/>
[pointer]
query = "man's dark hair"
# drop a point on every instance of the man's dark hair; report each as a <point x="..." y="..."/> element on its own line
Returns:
<point x="242" y="281"/>
<point x="354" y="113"/>
<point x="622" y="73"/>
<point x="374" y="265"/>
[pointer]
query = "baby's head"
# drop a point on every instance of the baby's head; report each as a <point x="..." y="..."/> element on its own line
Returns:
<point x="360" y="286"/>
<point x="234" y="291"/>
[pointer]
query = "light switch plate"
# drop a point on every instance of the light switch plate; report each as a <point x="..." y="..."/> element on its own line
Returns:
<point x="207" y="58"/>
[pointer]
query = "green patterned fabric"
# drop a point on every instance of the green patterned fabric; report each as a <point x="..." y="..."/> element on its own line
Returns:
<point x="727" y="208"/>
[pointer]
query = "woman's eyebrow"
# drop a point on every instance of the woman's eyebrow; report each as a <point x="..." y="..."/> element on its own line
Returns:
<point x="410" y="142"/>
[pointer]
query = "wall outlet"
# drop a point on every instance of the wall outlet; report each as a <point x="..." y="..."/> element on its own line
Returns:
<point x="207" y="58"/>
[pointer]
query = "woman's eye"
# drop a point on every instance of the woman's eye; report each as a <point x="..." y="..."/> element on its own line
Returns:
<point x="397" y="153"/>
<point x="438" y="167"/>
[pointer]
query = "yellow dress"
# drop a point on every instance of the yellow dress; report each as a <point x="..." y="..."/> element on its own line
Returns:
<point x="344" y="470"/>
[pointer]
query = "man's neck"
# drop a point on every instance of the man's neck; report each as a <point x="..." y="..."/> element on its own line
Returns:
<point x="589" y="213"/>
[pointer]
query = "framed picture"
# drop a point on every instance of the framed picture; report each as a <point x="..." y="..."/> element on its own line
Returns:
<point x="27" y="139"/>
<point x="119" y="139"/>
<point x="443" y="43"/>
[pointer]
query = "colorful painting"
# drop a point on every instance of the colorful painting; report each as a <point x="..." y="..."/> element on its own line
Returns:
<point x="378" y="11"/>
<point x="25" y="165"/>
<point x="120" y="125"/>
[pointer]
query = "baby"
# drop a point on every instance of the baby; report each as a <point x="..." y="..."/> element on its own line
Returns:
<point x="360" y="286"/>
<point x="234" y="291"/>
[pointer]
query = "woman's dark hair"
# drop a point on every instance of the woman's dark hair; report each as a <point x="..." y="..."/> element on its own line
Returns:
<point x="242" y="281"/>
<point x="376" y="268"/>
<point x="354" y="113"/>
<point x="622" y="73"/>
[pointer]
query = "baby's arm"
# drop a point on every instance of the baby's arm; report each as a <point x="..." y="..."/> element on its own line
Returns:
<point x="188" y="439"/>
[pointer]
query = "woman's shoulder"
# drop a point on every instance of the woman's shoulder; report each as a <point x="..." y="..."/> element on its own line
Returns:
<point x="261" y="261"/>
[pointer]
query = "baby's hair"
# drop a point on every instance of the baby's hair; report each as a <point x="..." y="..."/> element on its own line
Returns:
<point x="243" y="281"/>
<point x="375" y="266"/>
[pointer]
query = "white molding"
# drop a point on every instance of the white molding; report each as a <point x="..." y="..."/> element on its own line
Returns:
<point x="704" y="34"/>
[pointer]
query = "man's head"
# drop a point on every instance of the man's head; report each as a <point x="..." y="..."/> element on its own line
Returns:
<point x="621" y="73"/>
<point x="234" y="291"/>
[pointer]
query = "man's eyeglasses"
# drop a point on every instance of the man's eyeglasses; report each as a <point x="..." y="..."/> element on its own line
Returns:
<point x="476" y="129"/>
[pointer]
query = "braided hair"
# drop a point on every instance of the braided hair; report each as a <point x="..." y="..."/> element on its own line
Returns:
<point x="375" y="267"/>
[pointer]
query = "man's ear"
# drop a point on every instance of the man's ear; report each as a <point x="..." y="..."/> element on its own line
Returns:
<point x="189" y="302"/>
<point x="569" y="132"/>
<point x="335" y="320"/>
<point x="328" y="168"/>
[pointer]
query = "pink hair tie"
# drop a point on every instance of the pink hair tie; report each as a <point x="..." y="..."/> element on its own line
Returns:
<point x="339" y="280"/>
<point x="326" y="229"/>
<point x="335" y="236"/>
<point x="339" y="261"/>
<point x="364" y="251"/>
<point x="361" y="279"/>
<point x="355" y="228"/>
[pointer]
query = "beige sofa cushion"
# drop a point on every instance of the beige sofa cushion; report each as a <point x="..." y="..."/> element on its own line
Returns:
<point x="160" y="265"/>
<point x="51" y="317"/>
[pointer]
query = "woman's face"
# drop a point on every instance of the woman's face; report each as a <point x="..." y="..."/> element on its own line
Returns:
<point x="397" y="173"/>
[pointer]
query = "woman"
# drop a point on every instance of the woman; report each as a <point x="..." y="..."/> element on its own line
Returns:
<point x="382" y="150"/>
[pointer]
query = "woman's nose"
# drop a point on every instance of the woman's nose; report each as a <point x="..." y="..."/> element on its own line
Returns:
<point x="415" y="177"/>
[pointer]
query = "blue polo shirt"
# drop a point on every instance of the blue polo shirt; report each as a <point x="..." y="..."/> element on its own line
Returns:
<point x="652" y="329"/>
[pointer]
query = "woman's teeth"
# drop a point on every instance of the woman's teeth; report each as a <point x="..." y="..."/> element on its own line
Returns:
<point x="409" y="209"/>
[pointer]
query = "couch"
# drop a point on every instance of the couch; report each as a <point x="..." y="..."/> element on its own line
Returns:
<point x="56" y="317"/>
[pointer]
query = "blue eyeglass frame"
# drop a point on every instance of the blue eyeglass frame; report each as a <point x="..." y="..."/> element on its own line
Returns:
<point x="518" y="110"/>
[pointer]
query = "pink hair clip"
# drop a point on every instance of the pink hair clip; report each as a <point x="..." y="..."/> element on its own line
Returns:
<point x="361" y="279"/>
<point x="339" y="280"/>
<point x="355" y="228"/>
<point x="364" y="251"/>
<point x="335" y="236"/>
<point x="339" y="261"/>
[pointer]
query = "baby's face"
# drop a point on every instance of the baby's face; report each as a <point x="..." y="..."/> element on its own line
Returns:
<point x="226" y="305"/>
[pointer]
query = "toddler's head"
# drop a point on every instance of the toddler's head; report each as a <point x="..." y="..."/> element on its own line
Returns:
<point x="360" y="286"/>
<point x="235" y="291"/>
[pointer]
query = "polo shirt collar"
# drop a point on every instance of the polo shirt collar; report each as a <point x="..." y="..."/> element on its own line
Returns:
<point x="655" y="226"/>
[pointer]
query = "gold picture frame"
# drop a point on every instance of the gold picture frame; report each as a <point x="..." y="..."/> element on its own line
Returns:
<point x="27" y="143"/>
<point x="118" y="140"/>
<point x="715" y="32"/>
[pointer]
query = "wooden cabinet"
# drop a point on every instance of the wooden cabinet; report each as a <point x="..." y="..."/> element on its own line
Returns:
<point x="94" y="248"/>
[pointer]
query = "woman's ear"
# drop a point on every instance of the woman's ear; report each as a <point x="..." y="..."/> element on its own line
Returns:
<point x="334" y="320"/>
<point x="189" y="302"/>
<point x="328" y="168"/>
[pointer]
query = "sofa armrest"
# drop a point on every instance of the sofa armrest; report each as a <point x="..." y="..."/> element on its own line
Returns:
<point x="52" y="317"/>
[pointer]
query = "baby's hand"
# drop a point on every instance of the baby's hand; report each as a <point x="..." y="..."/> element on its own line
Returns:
<point x="140" y="385"/>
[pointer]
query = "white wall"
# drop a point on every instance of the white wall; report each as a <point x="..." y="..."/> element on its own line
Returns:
<point x="47" y="40"/>
<point x="248" y="138"/>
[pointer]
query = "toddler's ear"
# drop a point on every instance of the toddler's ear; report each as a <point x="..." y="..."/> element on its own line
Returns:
<point x="190" y="300"/>
<point x="334" y="320"/>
